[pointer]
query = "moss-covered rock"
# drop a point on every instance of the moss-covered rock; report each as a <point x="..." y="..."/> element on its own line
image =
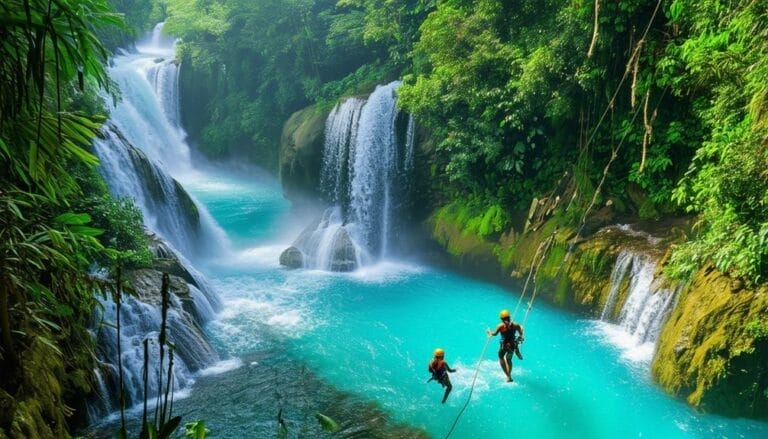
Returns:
<point x="714" y="349"/>
<point x="37" y="410"/>
<point x="301" y="151"/>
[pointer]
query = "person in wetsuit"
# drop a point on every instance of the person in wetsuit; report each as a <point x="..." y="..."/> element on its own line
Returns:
<point x="510" y="343"/>
<point x="439" y="370"/>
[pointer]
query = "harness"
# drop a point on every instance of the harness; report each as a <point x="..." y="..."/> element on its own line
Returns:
<point x="508" y="340"/>
<point x="437" y="369"/>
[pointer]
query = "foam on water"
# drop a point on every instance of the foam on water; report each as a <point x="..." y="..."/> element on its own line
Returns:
<point x="221" y="367"/>
<point x="630" y="347"/>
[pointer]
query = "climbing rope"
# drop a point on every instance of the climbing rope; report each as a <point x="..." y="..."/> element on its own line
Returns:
<point x="471" y="388"/>
<point x="528" y="279"/>
<point x="534" y="271"/>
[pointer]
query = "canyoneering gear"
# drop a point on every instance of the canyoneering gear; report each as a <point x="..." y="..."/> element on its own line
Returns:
<point x="439" y="370"/>
<point x="510" y="342"/>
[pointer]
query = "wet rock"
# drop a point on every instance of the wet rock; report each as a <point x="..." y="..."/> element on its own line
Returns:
<point x="166" y="260"/>
<point x="301" y="149"/>
<point x="343" y="254"/>
<point x="147" y="284"/>
<point x="292" y="258"/>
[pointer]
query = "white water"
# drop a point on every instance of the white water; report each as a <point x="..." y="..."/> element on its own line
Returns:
<point x="141" y="321"/>
<point x="364" y="172"/>
<point x="644" y="311"/>
<point x="143" y="156"/>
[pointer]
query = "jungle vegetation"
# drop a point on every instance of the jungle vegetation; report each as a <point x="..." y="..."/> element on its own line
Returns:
<point x="670" y="94"/>
<point x="58" y="223"/>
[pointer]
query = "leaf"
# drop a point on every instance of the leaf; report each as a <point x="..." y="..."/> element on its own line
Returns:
<point x="196" y="429"/>
<point x="327" y="423"/>
<point x="169" y="427"/>
<point x="63" y="310"/>
<point x="86" y="231"/>
<point x="73" y="219"/>
<point x="149" y="431"/>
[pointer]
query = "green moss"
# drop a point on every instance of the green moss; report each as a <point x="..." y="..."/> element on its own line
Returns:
<point x="301" y="148"/>
<point x="710" y="352"/>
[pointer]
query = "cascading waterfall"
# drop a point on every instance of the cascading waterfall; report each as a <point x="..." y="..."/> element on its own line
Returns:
<point x="140" y="148"/>
<point x="167" y="208"/>
<point x="647" y="303"/>
<point x="363" y="170"/>
<point x="140" y="321"/>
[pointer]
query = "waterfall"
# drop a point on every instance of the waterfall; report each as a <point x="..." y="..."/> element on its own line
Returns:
<point x="647" y="300"/>
<point x="140" y="321"/>
<point x="340" y="135"/>
<point x="167" y="208"/>
<point x="144" y="155"/>
<point x="364" y="166"/>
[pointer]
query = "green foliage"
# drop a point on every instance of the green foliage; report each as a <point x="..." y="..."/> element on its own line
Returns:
<point x="249" y="65"/>
<point x="138" y="15"/>
<point x="121" y="222"/>
<point x="510" y="95"/>
<point x="475" y="218"/>
<point x="757" y="329"/>
<point x="53" y="65"/>
<point x="196" y="429"/>
<point x="726" y="183"/>
<point x="206" y="18"/>
<point x="43" y="274"/>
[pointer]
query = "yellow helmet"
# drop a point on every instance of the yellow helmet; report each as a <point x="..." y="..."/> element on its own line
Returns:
<point x="439" y="352"/>
<point x="504" y="314"/>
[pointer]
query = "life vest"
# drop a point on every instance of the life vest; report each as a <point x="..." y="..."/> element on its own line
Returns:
<point x="437" y="368"/>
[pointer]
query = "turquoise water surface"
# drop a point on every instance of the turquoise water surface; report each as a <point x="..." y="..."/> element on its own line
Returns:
<point x="371" y="333"/>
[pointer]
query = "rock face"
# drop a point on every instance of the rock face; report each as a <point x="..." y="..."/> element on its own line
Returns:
<point x="292" y="258"/>
<point x="714" y="349"/>
<point x="166" y="261"/>
<point x="301" y="150"/>
<point x="158" y="192"/>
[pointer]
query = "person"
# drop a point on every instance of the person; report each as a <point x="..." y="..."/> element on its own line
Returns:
<point x="439" y="370"/>
<point x="509" y="343"/>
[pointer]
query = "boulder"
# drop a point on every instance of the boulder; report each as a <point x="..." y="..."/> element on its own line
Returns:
<point x="147" y="283"/>
<point x="343" y="252"/>
<point x="292" y="258"/>
<point x="166" y="260"/>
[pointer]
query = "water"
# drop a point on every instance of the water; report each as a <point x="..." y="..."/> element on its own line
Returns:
<point x="364" y="175"/>
<point x="371" y="333"/>
<point x="636" y="326"/>
<point x="310" y="340"/>
<point x="144" y="156"/>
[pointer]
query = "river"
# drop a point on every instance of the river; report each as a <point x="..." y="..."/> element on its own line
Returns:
<point x="356" y="345"/>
